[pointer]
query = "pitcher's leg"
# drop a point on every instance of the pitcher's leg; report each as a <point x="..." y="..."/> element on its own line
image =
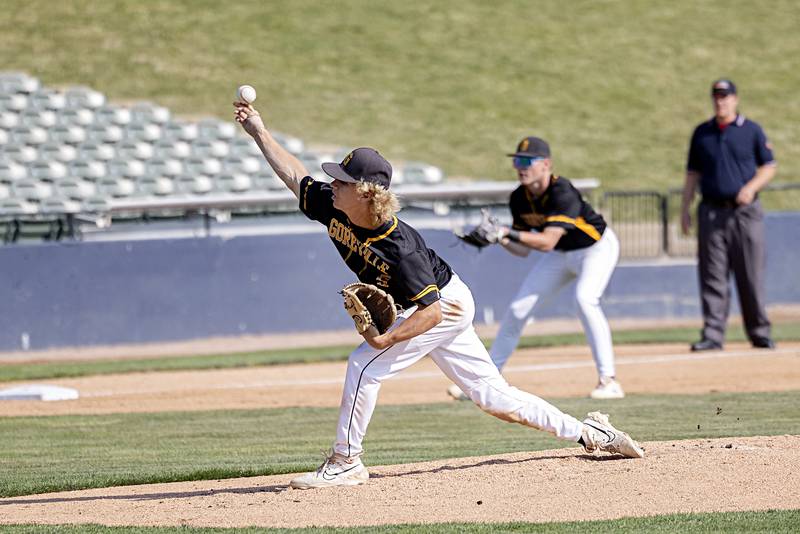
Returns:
<point x="466" y="362"/>
<point x="366" y="369"/>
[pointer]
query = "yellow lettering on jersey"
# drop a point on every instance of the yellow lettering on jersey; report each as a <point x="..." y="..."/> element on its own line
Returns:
<point x="344" y="235"/>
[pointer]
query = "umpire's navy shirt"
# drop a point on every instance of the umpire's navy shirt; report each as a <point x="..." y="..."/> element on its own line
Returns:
<point x="727" y="158"/>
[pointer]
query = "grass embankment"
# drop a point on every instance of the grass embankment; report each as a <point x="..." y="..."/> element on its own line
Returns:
<point x="616" y="87"/>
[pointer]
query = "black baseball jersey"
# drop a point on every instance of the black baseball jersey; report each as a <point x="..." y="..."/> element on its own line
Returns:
<point x="561" y="205"/>
<point x="393" y="256"/>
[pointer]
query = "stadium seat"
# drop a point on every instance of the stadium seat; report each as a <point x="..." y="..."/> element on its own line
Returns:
<point x="244" y="146"/>
<point x="77" y="116"/>
<point x="165" y="167"/>
<point x="313" y="164"/>
<point x="84" y="97"/>
<point x="12" y="171"/>
<point x="154" y="185"/>
<point x="171" y="148"/>
<point x="57" y="152"/>
<point x="76" y="189"/>
<point x="99" y="204"/>
<point x="143" y="131"/>
<point x="18" y="82"/>
<point x="71" y="134"/>
<point x="88" y="169"/>
<point x="18" y="206"/>
<point x="194" y="184"/>
<point x="48" y="99"/>
<point x="291" y="144"/>
<point x="234" y="182"/>
<point x="5" y="191"/>
<point x="29" y="135"/>
<point x="59" y="205"/>
<point x="216" y="129"/>
<point x="213" y="148"/>
<point x="267" y="180"/>
<point x="203" y="165"/>
<point x="147" y="112"/>
<point x="43" y="118"/>
<point x="117" y="186"/>
<point x="47" y="169"/>
<point x="5" y="137"/>
<point x="20" y="153"/>
<point x="8" y="119"/>
<point x="92" y="150"/>
<point x="134" y="149"/>
<point x="13" y="102"/>
<point x="421" y="173"/>
<point x="181" y="130"/>
<point x="245" y="164"/>
<point x="105" y="133"/>
<point x="113" y="115"/>
<point x="128" y="168"/>
<point x="32" y="190"/>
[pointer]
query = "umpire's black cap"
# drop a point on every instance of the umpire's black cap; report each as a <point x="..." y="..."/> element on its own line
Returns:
<point x="723" y="87"/>
<point x="361" y="165"/>
<point x="532" y="147"/>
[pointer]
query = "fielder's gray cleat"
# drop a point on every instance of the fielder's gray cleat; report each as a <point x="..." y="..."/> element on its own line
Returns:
<point x="599" y="434"/>
<point x="336" y="470"/>
<point x="607" y="388"/>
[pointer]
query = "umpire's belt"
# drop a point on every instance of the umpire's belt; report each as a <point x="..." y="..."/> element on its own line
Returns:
<point x="725" y="203"/>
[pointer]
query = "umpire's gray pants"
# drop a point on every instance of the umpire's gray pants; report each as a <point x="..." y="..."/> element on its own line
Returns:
<point x="732" y="239"/>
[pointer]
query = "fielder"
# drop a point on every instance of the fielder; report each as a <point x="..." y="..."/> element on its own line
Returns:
<point x="358" y="211"/>
<point x="550" y="215"/>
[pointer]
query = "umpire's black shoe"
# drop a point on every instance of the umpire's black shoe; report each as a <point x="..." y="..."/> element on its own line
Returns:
<point x="762" y="343"/>
<point x="706" y="344"/>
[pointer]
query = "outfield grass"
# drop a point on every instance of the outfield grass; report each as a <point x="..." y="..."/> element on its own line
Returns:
<point x="44" y="454"/>
<point x="57" y="369"/>
<point x="773" y="521"/>
<point x="617" y="87"/>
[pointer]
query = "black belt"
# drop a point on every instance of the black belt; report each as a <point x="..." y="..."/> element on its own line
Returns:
<point x="730" y="204"/>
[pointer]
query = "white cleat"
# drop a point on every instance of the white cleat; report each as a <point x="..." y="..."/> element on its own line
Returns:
<point x="455" y="392"/>
<point x="607" y="388"/>
<point x="336" y="470"/>
<point x="598" y="434"/>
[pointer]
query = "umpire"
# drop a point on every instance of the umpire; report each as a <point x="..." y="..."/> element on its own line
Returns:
<point x="731" y="159"/>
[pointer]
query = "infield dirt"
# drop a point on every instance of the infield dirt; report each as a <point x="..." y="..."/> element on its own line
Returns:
<point x="727" y="474"/>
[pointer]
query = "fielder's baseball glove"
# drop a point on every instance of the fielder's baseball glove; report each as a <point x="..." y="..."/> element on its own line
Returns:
<point x="369" y="307"/>
<point x="485" y="234"/>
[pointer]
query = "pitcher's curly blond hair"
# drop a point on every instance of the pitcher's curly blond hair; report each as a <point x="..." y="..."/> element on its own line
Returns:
<point x="383" y="204"/>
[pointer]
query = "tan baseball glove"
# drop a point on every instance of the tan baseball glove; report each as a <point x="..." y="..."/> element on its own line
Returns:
<point x="370" y="308"/>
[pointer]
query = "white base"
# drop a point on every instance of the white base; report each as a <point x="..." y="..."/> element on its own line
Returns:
<point x="40" y="392"/>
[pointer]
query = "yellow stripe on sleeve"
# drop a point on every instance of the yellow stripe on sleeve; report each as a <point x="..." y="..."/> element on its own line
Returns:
<point x="424" y="292"/>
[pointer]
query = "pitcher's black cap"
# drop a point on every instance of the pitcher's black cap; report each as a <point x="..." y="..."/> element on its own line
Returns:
<point x="361" y="165"/>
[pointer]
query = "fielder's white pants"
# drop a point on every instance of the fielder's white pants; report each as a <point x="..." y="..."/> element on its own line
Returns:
<point x="459" y="353"/>
<point x="590" y="268"/>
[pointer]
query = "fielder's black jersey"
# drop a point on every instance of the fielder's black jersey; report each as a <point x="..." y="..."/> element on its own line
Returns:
<point x="561" y="205"/>
<point x="393" y="256"/>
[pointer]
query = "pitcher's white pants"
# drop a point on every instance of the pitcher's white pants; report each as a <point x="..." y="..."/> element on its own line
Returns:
<point x="591" y="269"/>
<point x="459" y="353"/>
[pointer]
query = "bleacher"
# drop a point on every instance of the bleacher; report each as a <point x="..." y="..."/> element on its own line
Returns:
<point x="71" y="151"/>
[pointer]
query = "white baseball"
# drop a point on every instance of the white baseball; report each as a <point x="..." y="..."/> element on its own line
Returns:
<point x="246" y="93"/>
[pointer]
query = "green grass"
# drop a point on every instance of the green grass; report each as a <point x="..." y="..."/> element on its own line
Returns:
<point x="65" y="369"/>
<point x="772" y="521"/>
<point x="617" y="87"/>
<point x="43" y="454"/>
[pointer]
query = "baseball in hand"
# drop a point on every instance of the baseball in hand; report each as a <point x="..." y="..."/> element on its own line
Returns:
<point x="246" y="93"/>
